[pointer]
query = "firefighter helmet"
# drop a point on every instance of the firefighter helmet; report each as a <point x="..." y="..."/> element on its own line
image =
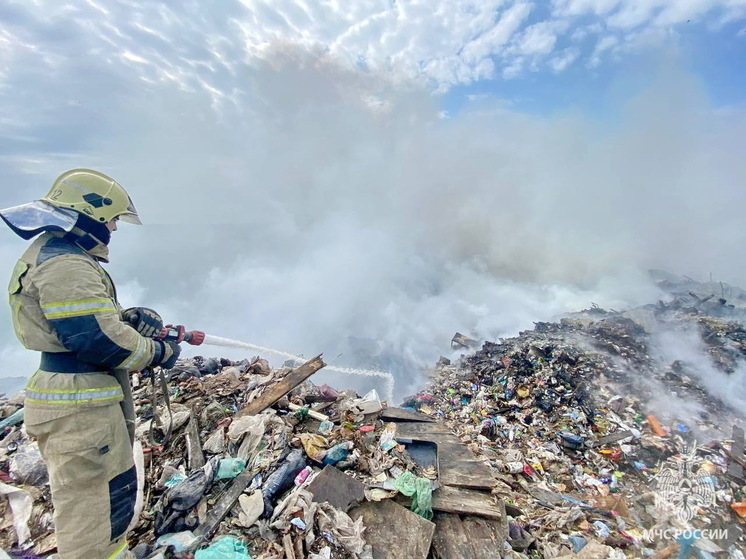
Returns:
<point x="94" y="194"/>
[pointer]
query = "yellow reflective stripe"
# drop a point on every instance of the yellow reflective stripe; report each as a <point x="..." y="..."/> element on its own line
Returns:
<point x="73" y="402"/>
<point x="72" y="391"/>
<point x="135" y="355"/>
<point x="120" y="553"/>
<point x="64" y="309"/>
<point x="72" y="396"/>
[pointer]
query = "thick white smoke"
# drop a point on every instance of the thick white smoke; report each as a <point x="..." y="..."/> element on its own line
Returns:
<point x="312" y="208"/>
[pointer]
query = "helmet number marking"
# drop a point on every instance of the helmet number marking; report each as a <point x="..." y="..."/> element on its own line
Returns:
<point x="56" y="194"/>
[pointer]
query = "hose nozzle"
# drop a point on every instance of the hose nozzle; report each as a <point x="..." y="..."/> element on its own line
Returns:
<point x="179" y="334"/>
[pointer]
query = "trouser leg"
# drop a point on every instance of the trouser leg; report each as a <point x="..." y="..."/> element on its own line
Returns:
<point x="93" y="481"/>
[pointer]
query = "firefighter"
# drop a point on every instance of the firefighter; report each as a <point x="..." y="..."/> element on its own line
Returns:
<point x="79" y="403"/>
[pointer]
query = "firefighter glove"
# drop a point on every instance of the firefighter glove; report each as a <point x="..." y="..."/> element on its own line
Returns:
<point x="146" y="321"/>
<point x="166" y="353"/>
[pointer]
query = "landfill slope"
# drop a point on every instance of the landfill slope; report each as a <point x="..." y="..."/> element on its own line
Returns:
<point x="605" y="434"/>
<point x="595" y="420"/>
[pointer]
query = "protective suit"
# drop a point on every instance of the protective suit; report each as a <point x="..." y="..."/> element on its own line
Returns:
<point x="78" y="403"/>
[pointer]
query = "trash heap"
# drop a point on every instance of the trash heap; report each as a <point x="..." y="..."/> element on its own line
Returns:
<point x="580" y="438"/>
<point x="238" y="460"/>
<point x="603" y="442"/>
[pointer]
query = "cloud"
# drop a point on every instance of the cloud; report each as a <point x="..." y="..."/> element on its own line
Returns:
<point x="441" y="42"/>
<point x="564" y="59"/>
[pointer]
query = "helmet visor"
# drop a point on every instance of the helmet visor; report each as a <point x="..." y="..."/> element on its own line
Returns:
<point x="130" y="215"/>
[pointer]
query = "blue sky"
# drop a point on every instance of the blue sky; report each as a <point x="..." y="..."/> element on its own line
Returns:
<point x="716" y="57"/>
<point x="388" y="170"/>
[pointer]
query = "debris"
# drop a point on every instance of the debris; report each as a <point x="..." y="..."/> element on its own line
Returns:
<point x="735" y="465"/>
<point x="179" y="543"/>
<point x="20" y="504"/>
<point x="655" y="425"/>
<point x="280" y="388"/>
<point x="467" y="502"/>
<point x="224" y="505"/>
<point x="27" y="466"/>
<point x="464" y="342"/>
<point x="252" y="507"/>
<point x="282" y="478"/>
<point x="466" y="538"/>
<point x="224" y="548"/>
<point x="337" y="488"/>
<point x="228" y="468"/>
<point x="311" y="413"/>
<point x="420" y="490"/>
<point x="195" y="457"/>
<point x="337" y="453"/>
<point x="553" y="443"/>
<point x="13" y="419"/>
<point x="393" y="532"/>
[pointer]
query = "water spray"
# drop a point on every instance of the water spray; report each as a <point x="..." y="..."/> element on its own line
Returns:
<point x="388" y="377"/>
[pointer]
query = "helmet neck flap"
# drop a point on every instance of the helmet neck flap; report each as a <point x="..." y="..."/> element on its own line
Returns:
<point x="33" y="218"/>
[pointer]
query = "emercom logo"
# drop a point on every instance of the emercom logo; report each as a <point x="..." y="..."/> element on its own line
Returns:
<point x="682" y="487"/>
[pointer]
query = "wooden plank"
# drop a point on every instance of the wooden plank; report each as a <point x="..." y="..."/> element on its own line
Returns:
<point x="195" y="457"/>
<point x="400" y="414"/>
<point x="614" y="437"/>
<point x="466" y="501"/>
<point x="287" y="544"/>
<point x="393" y="531"/>
<point x="337" y="488"/>
<point x="224" y="504"/>
<point x="275" y="391"/>
<point x="485" y="537"/>
<point x="735" y="467"/>
<point x="467" y="537"/>
<point x="457" y="465"/>
<point x="450" y="540"/>
<point x="420" y="430"/>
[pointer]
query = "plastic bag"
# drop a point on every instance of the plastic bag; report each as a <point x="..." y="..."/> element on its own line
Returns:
<point x="21" y="505"/>
<point x="225" y="548"/>
<point x="228" y="468"/>
<point x="27" y="466"/>
<point x="180" y="542"/>
<point x="13" y="419"/>
<point x="420" y="490"/>
<point x="326" y="428"/>
<point x="387" y="441"/>
<point x="314" y="445"/>
<point x="178" y="500"/>
<point x="370" y="403"/>
<point x="337" y="453"/>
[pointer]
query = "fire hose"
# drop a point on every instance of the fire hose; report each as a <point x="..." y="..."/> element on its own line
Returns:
<point x="168" y="333"/>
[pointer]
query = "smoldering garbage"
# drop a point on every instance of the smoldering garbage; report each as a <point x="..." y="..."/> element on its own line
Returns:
<point x="578" y="438"/>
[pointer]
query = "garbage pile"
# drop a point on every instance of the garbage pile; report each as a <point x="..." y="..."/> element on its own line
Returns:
<point x="601" y="436"/>
<point x="285" y="480"/>
<point x="605" y="445"/>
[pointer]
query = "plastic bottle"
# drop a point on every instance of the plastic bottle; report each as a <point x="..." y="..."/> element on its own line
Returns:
<point x="303" y="475"/>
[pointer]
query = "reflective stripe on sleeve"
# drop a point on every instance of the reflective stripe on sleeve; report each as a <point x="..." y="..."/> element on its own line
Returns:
<point x="65" y="309"/>
<point x="135" y="355"/>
